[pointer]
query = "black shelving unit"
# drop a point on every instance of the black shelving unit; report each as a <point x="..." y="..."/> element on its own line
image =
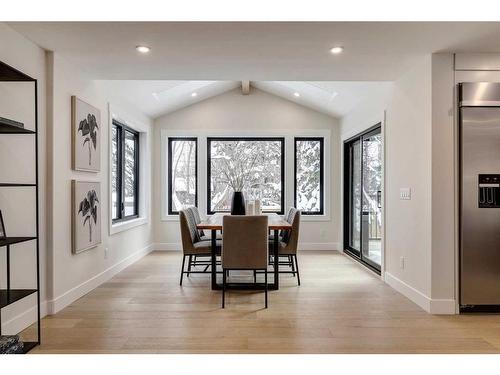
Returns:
<point x="9" y="295"/>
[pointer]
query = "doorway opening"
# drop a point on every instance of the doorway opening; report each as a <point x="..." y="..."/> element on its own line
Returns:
<point x="363" y="165"/>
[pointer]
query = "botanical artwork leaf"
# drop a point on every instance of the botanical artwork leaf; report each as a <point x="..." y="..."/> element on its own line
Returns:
<point x="88" y="209"/>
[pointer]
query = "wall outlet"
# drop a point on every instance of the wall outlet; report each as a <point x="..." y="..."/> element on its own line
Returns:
<point x="402" y="263"/>
<point x="105" y="253"/>
<point x="405" y="193"/>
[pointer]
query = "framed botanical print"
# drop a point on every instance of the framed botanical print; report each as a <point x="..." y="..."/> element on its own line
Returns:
<point x="85" y="215"/>
<point x="86" y="136"/>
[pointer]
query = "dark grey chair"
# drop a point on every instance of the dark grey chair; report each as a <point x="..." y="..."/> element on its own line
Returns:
<point x="288" y="244"/>
<point x="244" y="247"/>
<point x="192" y="244"/>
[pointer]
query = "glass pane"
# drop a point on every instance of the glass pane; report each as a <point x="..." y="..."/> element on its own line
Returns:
<point x="308" y="175"/>
<point x="372" y="190"/>
<point x="114" y="172"/>
<point x="130" y="174"/>
<point x="355" y="198"/>
<point x="183" y="173"/>
<point x="251" y="166"/>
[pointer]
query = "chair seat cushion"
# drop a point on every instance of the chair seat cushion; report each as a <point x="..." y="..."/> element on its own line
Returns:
<point x="283" y="249"/>
<point x="209" y="237"/>
<point x="204" y="247"/>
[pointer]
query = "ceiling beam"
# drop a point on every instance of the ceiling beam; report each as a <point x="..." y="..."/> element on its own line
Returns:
<point x="245" y="87"/>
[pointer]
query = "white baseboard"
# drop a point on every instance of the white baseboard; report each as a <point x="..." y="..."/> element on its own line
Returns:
<point x="23" y="320"/>
<point x="432" y="306"/>
<point x="304" y="246"/>
<point x="60" y="302"/>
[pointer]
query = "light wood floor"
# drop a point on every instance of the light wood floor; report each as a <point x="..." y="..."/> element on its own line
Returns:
<point x="340" y="308"/>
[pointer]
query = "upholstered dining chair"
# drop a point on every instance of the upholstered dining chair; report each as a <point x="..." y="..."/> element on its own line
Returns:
<point x="244" y="247"/>
<point x="192" y="244"/>
<point x="288" y="243"/>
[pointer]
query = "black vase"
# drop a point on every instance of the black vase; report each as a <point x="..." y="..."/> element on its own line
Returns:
<point x="238" y="204"/>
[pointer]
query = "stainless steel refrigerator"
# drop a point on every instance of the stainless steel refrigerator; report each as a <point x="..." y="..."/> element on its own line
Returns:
<point x="479" y="110"/>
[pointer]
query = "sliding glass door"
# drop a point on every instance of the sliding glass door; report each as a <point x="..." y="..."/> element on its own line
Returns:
<point x="363" y="197"/>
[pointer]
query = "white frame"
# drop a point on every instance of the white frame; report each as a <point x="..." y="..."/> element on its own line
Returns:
<point x="120" y="115"/>
<point x="289" y="136"/>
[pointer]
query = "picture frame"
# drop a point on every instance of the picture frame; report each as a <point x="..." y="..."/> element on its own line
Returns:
<point x="3" y="235"/>
<point x="85" y="136"/>
<point x="86" y="219"/>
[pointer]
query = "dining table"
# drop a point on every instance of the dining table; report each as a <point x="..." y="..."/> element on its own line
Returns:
<point x="275" y="224"/>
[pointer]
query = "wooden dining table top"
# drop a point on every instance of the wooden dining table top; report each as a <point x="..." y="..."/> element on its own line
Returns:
<point x="214" y="222"/>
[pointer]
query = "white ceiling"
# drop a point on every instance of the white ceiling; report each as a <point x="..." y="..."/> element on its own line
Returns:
<point x="374" y="51"/>
<point x="157" y="98"/>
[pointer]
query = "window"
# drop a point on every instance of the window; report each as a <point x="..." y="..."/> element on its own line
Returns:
<point x="124" y="172"/>
<point x="252" y="165"/>
<point x="182" y="174"/>
<point x="309" y="190"/>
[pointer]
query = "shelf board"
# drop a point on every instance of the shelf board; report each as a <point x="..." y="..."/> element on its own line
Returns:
<point x="14" y="184"/>
<point x="9" y="129"/>
<point x="8" y="73"/>
<point x="14" y="240"/>
<point x="28" y="345"/>
<point x="13" y="295"/>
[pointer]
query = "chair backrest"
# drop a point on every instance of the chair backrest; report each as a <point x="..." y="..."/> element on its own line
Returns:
<point x="189" y="233"/>
<point x="197" y="218"/>
<point x="288" y="218"/>
<point x="244" y="242"/>
<point x="292" y="237"/>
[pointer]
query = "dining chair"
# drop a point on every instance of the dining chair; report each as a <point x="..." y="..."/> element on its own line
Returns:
<point x="288" y="243"/>
<point x="192" y="244"/>
<point x="244" y="247"/>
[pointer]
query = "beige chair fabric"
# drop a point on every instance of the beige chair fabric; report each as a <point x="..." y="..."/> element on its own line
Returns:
<point x="290" y="241"/>
<point x="244" y="242"/>
<point x="191" y="240"/>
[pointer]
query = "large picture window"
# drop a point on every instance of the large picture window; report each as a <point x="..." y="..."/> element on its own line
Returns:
<point x="124" y="172"/>
<point x="182" y="172"/>
<point x="252" y="165"/>
<point x="309" y="190"/>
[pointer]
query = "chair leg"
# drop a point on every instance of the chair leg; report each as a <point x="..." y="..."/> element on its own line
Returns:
<point x="292" y="264"/>
<point x="182" y="268"/>
<point x="297" y="266"/>
<point x="265" y="285"/>
<point x="255" y="276"/>
<point x="223" y="288"/>
<point x="189" y="265"/>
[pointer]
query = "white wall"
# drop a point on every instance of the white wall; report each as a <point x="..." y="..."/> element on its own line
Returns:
<point x="419" y="154"/>
<point x="64" y="276"/>
<point x="235" y="113"/>
<point x="74" y="275"/>
<point x="17" y="165"/>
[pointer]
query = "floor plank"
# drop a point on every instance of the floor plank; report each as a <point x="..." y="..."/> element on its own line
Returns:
<point x="339" y="308"/>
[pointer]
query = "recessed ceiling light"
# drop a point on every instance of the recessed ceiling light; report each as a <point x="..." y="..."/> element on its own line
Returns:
<point x="194" y="94"/>
<point x="336" y="50"/>
<point x="143" y="49"/>
<point x="296" y="94"/>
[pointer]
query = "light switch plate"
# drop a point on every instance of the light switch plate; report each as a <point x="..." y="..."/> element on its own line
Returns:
<point x="405" y="193"/>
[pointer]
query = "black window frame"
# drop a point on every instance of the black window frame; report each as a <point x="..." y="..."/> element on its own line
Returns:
<point x="170" y="211"/>
<point x="120" y="133"/>
<point x="321" y="174"/>
<point x="209" y="169"/>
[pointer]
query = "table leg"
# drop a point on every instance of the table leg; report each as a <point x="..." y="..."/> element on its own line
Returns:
<point x="276" y="260"/>
<point x="214" y="259"/>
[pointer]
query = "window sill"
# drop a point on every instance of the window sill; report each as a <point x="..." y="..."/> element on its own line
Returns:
<point x="126" y="225"/>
